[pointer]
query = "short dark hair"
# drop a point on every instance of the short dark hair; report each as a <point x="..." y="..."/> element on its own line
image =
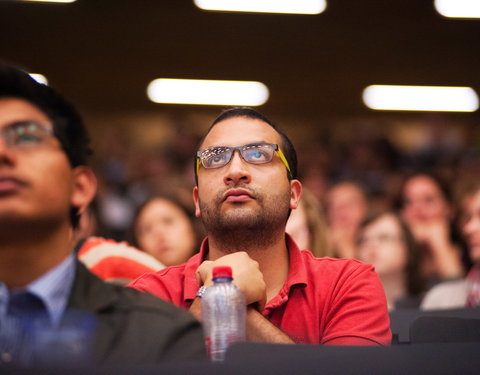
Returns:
<point x="67" y="123"/>
<point x="287" y="146"/>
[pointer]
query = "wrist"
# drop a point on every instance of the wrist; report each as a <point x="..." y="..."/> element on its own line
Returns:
<point x="201" y="291"/>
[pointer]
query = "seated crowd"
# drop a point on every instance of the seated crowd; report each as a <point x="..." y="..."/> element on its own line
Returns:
<point x="315" y="269"/>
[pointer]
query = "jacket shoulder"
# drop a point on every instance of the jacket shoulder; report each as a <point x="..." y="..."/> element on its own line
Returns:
<point x="132" y="299"/>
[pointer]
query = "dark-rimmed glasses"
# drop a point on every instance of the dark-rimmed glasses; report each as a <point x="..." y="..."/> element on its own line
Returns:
<point x="253" y="153"/>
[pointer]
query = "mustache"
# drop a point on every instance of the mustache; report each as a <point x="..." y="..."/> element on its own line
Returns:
<point x="220" y="196"/>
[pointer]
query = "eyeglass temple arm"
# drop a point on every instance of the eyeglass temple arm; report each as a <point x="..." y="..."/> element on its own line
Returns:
<point x="198" y="164"/>
<point x="284" y="160"/>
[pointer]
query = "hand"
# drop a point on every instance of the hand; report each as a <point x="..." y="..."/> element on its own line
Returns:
<point x="246" y="276"/>
<point x="434" y="233"/>
<point x="204" y="273"/>
<point x="443" y="257"/>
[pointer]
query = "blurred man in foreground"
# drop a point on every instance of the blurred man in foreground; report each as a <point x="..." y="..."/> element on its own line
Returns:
<point x="52" y="310"/>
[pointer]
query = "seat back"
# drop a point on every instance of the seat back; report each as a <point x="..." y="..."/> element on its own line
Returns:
<point x="436" y="329"/>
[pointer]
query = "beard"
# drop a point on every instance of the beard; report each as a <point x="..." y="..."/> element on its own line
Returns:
<point x="242" y="226"/>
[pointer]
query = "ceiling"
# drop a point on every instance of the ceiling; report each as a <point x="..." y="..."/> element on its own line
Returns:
<point x="103" y="53"/>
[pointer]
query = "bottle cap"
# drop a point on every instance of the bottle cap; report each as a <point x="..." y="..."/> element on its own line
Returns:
<point x="222" y="271"/>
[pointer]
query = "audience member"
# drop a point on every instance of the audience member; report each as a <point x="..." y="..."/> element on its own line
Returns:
<point x="308" y="227"/>
<point x="45" y="184"/>
<point x="347" y="206"/>
<point x="463" y="292"/>
<point x="244" y="199"/>
<point x="163" y="229"/>
<point x="386" y="243"/>
<point x="426" y="208"/>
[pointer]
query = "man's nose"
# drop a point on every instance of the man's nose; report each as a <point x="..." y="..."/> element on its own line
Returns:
<point x="237" y="170"/>
<point x="7" y="155"/>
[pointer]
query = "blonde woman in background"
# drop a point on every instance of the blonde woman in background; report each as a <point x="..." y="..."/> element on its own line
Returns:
<point x="462" y="292"/>
<point x="308" y="227"/>
<point x="346" y="204"/>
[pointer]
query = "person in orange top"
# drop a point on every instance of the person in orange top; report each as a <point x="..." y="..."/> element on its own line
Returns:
<point x="113" y="261"/>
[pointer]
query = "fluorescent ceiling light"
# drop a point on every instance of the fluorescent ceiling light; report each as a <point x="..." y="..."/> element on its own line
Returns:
<point x="193" y="91"/>
<point x="264" y="6"/>
<point x="40" y="78"/>
<point x="50" y="1"/>
<point x="421" y="98"/>
<point x="458" y="8"/>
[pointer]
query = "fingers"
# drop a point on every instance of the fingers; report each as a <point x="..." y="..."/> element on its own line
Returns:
<point x="204" y="273"/>
<point x="246" y="275"/>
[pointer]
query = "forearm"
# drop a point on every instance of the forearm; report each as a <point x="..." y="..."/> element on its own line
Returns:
<point x="259" y="329"/>
<point x="196" y="309"/>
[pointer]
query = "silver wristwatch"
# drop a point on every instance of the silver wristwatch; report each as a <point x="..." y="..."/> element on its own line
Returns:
<point x="201" y="291"/>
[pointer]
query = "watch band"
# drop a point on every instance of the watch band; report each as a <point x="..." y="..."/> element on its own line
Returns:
<point x="201" y="291"/>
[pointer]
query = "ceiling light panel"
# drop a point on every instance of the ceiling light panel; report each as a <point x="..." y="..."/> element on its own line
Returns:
<point x="49" y="1"/>
<point x="207" y="92"/>
<point x="458" y="8"/>
<point x="421" y="98"/>
<point x="264" y="6"/>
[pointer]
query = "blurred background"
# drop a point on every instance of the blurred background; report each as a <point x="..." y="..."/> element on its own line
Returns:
<point x="103" y="54"/>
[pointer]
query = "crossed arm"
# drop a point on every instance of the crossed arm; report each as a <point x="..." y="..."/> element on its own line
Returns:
<point x="249" y="279"/>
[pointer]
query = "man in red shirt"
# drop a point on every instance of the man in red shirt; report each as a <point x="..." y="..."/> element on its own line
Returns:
<point x="244" y="199"/>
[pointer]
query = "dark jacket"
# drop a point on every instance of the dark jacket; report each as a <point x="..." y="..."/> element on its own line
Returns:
<point x="135" y="327"/>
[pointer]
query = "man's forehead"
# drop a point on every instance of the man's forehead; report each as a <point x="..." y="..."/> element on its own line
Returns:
<point x="13" y="109"/>
<point x="238" y="131"/>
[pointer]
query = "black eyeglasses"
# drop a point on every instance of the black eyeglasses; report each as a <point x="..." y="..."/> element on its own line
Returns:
<point x="26" y="134"/>
<point x="254" y="153"/>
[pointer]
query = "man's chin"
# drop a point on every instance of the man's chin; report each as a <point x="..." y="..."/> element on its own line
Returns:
<point x="239" y="207"/>
<point x="239" y="216"/>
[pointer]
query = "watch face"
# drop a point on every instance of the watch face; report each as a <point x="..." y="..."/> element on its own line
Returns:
<point x="201" y="291"/>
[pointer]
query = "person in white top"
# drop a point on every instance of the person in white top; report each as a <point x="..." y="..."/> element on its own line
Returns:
<point x="463" y="292"/>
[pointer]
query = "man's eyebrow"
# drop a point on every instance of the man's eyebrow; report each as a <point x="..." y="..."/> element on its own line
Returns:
<point x="26" y="121"/>
<point x="245" y="144"/>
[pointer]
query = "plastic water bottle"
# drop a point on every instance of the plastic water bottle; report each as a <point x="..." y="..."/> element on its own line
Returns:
<point x="223" y="314"/>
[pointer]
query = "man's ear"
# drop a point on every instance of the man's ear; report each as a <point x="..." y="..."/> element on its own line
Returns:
<point x="84" y="187"/>
<point x="195" y="200"/>
<point x="295" y="193"/>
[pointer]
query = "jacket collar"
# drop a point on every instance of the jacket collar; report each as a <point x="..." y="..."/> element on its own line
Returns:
<point x="89" y="292"/>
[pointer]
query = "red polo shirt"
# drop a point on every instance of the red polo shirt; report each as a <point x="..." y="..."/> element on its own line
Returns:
<point x="323" y="301"/>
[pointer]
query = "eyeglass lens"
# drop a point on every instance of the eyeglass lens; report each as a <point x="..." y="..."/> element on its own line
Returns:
<point x="25" y="134"/>
<point x="258" y="153"/>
